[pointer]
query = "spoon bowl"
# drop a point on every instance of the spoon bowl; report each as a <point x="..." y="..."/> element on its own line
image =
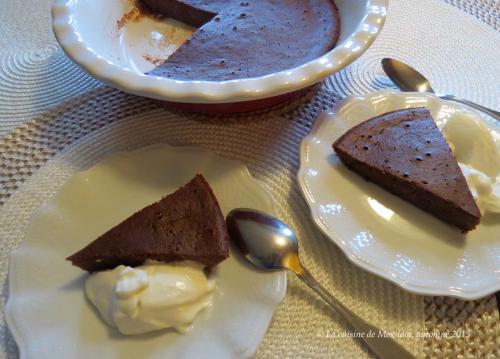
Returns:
<point x="263" y="240"/>
<point x="408" y="79"/>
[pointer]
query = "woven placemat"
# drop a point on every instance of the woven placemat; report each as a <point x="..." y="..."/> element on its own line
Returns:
<point x="258" y="140"/>
<point x="81" y="129"/>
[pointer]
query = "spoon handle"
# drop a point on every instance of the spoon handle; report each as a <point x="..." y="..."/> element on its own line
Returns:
<point x="486" y="110"/>
<point x="380" y="345"/>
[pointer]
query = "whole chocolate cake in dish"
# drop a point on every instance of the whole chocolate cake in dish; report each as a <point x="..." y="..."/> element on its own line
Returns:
<point x="243" y="39"/>
<point x="185" y="225"/>
<point x="405" y="152"/>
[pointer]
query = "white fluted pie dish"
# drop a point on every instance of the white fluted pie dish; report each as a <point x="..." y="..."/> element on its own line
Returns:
<point x="91" y="34"/>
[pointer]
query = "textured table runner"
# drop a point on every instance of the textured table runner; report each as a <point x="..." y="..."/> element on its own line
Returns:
<point x="77" y="121"/>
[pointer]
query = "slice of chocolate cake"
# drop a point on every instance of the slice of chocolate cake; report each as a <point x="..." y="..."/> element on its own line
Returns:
<point x="187" y="224"/>
<point x="405" y="153"/>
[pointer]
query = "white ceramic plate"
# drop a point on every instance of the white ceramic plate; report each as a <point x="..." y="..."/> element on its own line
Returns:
<point x="47" y="311"/>
<point x="87" y="31"/>
<point x="384" y="234"/>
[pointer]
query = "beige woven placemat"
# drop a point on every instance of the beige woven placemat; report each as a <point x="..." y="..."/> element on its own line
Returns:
<point x="35" y="76"/>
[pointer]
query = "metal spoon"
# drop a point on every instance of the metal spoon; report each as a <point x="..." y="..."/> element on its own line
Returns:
<point x="270" y="244"/>
<point x="408" y="79"/>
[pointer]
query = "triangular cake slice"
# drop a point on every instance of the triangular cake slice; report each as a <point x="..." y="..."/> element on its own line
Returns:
<point x="405" y="153"/>
<point x="185" y="225"/>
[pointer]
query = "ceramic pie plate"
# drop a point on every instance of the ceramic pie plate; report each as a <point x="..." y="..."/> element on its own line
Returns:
<point x="47" y="311"/>
<point x="94" y="35"/>
<point x="384" y="234"/>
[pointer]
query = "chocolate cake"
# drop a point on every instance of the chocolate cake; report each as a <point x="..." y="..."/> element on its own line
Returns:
<point x="242" y="39"/>
<point x="404" y="152"/>
<point x="187" y="224"/>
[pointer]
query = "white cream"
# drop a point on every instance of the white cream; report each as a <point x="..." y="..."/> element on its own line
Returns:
<point x="477" y="149"/>
<point x="150" y="297"/>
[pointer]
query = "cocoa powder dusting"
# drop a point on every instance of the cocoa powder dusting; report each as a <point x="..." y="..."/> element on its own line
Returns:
<point x="153" y="59"/>
<point x="138" y="12"/>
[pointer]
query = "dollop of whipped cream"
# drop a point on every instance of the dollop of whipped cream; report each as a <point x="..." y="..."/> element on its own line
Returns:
<point x="152" y="296"/>
<point x="477" y="149"/>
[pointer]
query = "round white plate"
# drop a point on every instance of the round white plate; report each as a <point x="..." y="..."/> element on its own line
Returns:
<point x="382" y="233"/>
<point x="88" y="32"/>
<point x="47" y="311"/>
